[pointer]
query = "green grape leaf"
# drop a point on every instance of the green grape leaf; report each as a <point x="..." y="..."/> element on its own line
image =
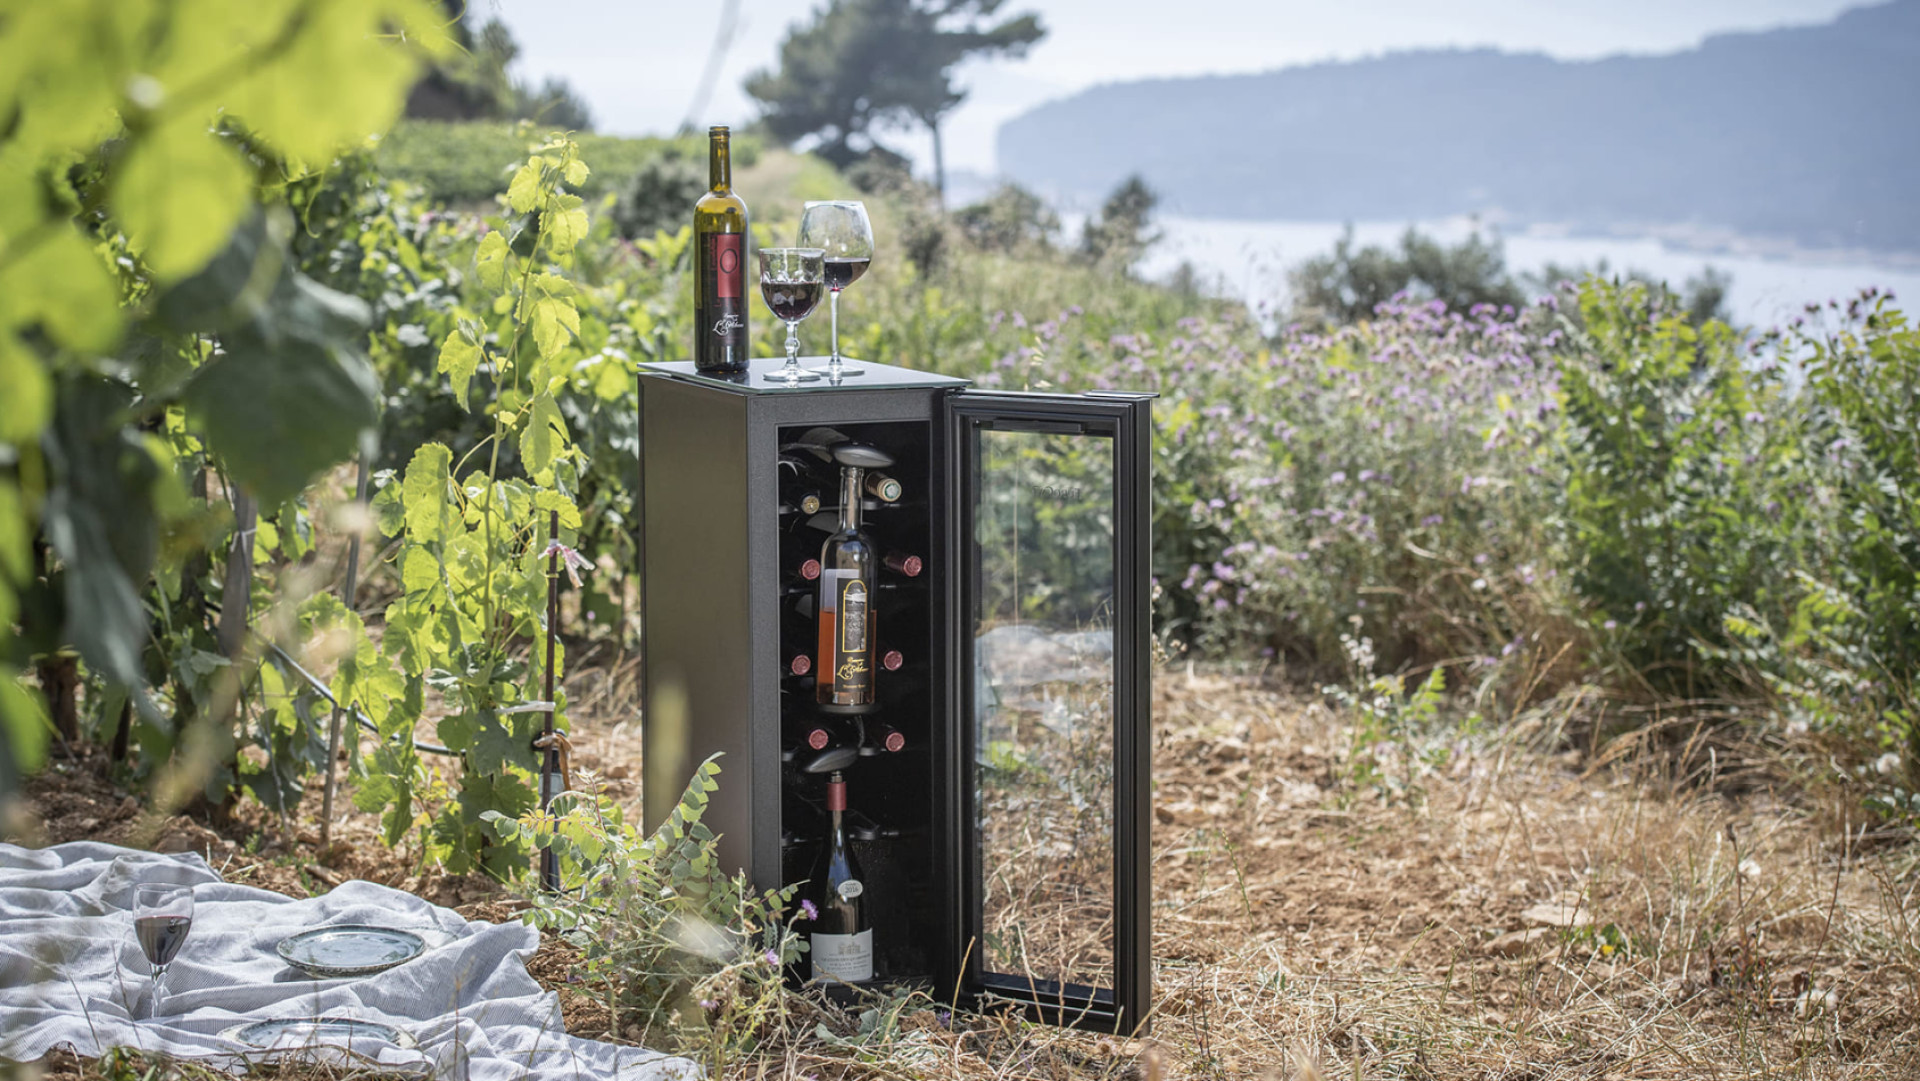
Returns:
<point x="389" y="512"/>
<point x="104" y="617"/>
<point x="419" y="570"/>
<point x="235" y="284"/>
<point x="15" y="534"/>
<point x="577" y="172"/>
<point x="523" y="192"/>
<point x="25" y="388"/>
<point x="554" y="321"/>
<point x="23" y="730"/>
<point x="565" y="223"/>
<point x="425" y="493"/>
<point x="491" y="262"/>
<point x="65" y="288"/>
<point x="458" y="358"/>
<point x="539" y="444"/>
<point x="342" y="75"/>
<point x="179" y="193"/>
<point x="278" y="412"/>
<point x="546" y="499"/>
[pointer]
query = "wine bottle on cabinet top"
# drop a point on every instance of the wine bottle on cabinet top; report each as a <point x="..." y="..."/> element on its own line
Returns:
<point x="720" y="227"/>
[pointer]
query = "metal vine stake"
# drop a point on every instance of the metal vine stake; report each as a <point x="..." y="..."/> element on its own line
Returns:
<point x="347" y="590"/>
<point x="550" y="760"/>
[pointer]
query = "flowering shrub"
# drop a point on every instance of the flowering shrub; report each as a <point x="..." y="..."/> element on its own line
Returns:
<point x="1597" y="489"/>
<point x="1385" y="479"/>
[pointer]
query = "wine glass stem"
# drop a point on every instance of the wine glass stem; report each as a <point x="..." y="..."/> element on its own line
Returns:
<point x="833" y="307"/>
<point x="793" y="344"/>
<point x="159" y="978"/>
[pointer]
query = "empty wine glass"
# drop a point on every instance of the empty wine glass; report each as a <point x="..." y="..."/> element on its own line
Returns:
<point x="162" y="916"/>
<point x="791" y="280"/>
<point x="841" y="230"/>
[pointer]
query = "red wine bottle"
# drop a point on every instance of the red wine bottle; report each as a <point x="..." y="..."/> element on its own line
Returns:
<point x="903" y="564"/>
<point x="845" y="609"/>
<point x="720" y="228"/>
<point x="840" y="941"/>
<point x="807" y="571"/>
<point x="799" y="485"/>
<point x="799" y="665"/>
<point x="883" y="738"/>
<point x="891" y="660"/>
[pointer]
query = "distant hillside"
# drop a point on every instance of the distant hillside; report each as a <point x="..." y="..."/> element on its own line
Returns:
<point x="1804" y="134"/>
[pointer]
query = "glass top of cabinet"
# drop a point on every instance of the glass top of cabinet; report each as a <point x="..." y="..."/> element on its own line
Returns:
<point x="754" y="380"/>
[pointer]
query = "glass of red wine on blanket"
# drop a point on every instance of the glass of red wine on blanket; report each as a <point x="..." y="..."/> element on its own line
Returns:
<point x="162" y="916"/>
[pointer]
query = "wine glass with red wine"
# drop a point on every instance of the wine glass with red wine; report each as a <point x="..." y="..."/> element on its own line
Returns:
<point x="162" y="916"/>
<point x="791" y="280"/>
<point x="841" y="231"/>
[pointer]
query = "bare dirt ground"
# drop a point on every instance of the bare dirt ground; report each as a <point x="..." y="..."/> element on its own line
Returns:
<point x="1522" y="912"/>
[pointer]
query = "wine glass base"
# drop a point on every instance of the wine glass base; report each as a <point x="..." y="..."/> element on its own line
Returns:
<point x="790" y="376"/>
<point x="843" y="371"/>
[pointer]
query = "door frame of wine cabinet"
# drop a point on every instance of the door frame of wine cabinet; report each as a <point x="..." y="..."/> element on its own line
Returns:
<point x="1127" y="420"/>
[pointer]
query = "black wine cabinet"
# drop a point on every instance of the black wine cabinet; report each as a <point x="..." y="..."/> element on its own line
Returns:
<point x="999" y="801"/>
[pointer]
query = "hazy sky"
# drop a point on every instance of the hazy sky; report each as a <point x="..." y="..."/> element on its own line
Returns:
<point x="638" y="62"/>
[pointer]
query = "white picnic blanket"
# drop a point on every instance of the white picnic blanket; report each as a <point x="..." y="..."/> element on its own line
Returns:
<point x="71" y="973"/>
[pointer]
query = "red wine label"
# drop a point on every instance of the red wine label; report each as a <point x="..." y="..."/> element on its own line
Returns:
<point x="723" y="337"/>
<point x="729" y="262"/>
<point x="847" y="958"/>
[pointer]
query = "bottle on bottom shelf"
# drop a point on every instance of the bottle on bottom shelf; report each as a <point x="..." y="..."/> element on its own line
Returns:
<point x="840" y="939"/>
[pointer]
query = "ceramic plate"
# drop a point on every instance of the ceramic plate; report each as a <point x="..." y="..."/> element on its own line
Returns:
<point x="291" y="1032"/>
<point x="350" y="950"/>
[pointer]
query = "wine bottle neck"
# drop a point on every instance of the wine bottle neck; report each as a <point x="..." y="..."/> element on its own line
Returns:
<point x="850" y="497"/>
<point x="719" y="161"/>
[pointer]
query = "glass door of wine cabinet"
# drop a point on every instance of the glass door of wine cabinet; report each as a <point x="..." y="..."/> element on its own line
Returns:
<point x="1047" y="765"/>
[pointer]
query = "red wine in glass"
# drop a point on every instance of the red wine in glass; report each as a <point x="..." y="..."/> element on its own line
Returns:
<point x="161" y="937"/>
<point x="791" y="282"/>
<point x="844" y="272"/>
<point x="845" y="237"/>
<point x="162" y="916"/>
<point x="793" y="301"/>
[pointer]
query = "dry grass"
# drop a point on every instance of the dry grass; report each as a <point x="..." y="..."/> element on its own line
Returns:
<point x="1532" y="915"/>
<point x="1527" y="919"/>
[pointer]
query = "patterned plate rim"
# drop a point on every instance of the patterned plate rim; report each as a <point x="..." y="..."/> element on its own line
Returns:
<point x="285" y="944"/>
<point x="401" y="1037"/>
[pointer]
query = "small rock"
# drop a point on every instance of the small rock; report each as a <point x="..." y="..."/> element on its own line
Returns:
<point x="129" y="807"/>
<point x="1515" y="943"/>
<point x="1558" y="914"/>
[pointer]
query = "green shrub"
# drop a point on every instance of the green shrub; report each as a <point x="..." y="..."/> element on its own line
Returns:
<point x="660" y="196"/>
<point x="1672" y="458"/>
<point x="464" y="162"/>
<point x="691" y="952"/>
